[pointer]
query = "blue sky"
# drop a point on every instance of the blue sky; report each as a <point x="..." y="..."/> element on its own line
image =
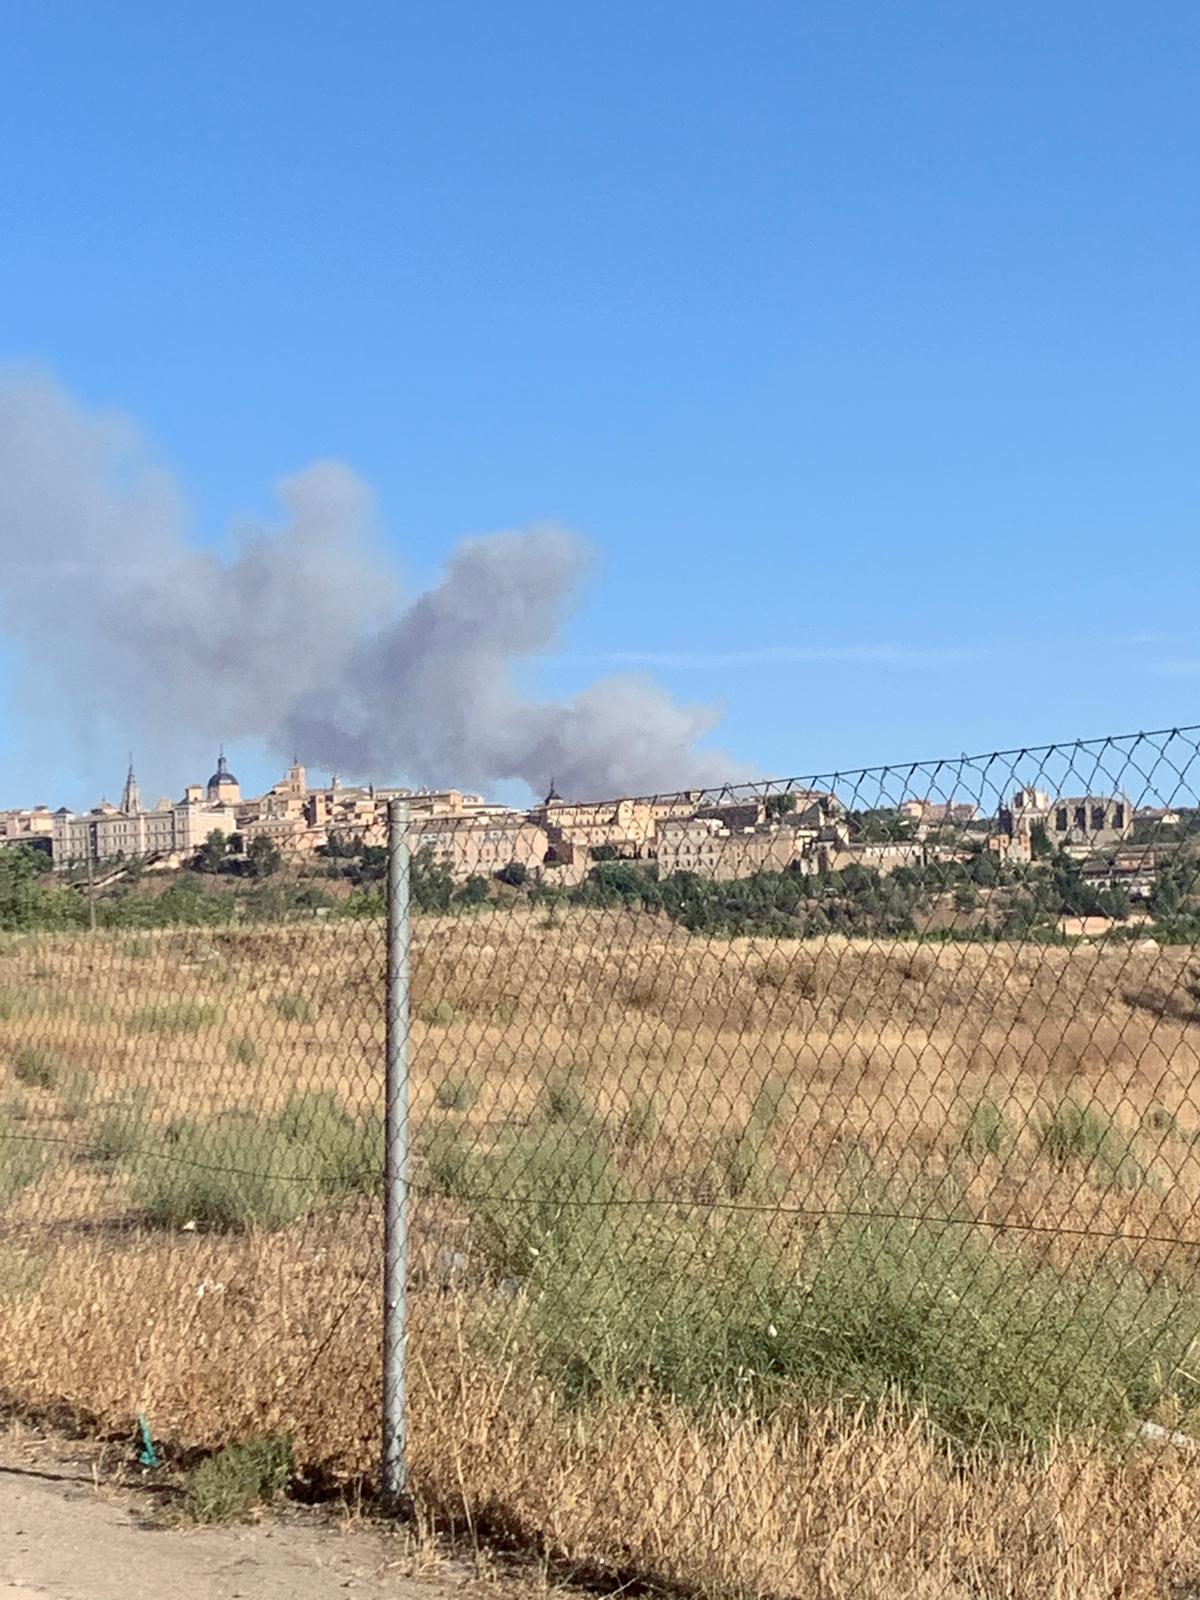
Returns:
<point x="861" y="340"/>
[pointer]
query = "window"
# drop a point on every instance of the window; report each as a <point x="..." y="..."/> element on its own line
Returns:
<point x="1081" y="816"/>
<point x="1097" y="818"/>
<point x="1118" y="816"/>
<point x="1060" y="820"/>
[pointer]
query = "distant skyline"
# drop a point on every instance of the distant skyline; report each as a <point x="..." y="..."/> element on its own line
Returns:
<point x="860" y="343"/>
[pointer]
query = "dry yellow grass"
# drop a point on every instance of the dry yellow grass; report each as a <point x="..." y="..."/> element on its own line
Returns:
<point x="886" y="1051"/>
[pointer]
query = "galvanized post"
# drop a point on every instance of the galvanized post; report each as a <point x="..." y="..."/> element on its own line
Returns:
<point x="395" y="1432"/>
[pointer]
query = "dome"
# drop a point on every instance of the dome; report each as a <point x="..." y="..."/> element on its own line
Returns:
<point x="222" y="775"/>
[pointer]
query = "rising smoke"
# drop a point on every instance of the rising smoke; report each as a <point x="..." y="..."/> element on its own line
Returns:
<point x="301" y="638"/>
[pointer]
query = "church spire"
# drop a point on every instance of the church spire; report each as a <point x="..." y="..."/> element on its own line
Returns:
<point x="131" y="799"/>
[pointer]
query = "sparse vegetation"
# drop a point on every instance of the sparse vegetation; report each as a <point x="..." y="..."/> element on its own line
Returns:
<point x="968" y="1295"/>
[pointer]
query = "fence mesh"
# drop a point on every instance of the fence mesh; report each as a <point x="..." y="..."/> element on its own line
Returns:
<point x="804" y="1184"/>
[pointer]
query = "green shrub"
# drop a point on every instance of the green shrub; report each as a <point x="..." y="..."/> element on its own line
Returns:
<point x="137" y="949"/>
<point x="987" y="1133"/>
<point x="35" y="1066"/>
<point x="342" y="1153"/>
<point x="537" y="1193"/>
<point x="233" y="1173"/>
<point x="772" y="1102"/>
<point x="177" y="1016"/>
<point x="642" y="1120"/>
<point x="449" y="1158"/>
<point x="76" y="1090"/>
<point x="993" y="1351"/>
<point x="1086" y="1133"/>
<point x="439" y="1015"/>
<point x="243" y="1051"/>
<point x="238" y="1478"/>
<point x="1159" y="1120"/>
<point x="22" y="1161"/>
<point x="744" y="1164"/>
<point x="456" y="1094"/>
<point x="560" y="1100"/>
<point x="121" y="1134"/>
<point x="293" y="1008"/>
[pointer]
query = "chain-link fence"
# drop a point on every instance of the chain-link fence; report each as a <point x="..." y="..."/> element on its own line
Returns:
<point x="803" y="1184"/>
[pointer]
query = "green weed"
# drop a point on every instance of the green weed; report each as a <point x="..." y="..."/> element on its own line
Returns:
<point x="22" y="1161"/>
<point x="1085" y="1133"/>
<point x="76" y="1091"/>
<point x="230" y="1174"/>
<point x="35" y="1067"/>
<point x="642" y="1120"/>
<point x="560" y="1100"/>
<point x="456" y="1094"/>
<point x="993" y="1352"/>
<point x="177" y="1016"/>
<point x="121" y="1133"/>
<point x="439" y="1015"/>
<point x="772" y="1102"/>
<point x="293" y="1008"/>
<point x="344" y="1154"/>
<point x="744" y="1164"/>
<point x="988" y="1132"/>
<point x="238" y="1478"/>
<point x="448" y="1159"/>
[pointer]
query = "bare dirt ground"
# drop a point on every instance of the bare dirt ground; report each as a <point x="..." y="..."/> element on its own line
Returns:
<point x="66" y="1533"/>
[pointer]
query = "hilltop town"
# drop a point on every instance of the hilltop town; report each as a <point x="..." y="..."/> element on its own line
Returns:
<point x="719" y="835"/>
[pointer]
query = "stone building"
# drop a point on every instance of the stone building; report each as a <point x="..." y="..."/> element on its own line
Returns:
<point x="34" y="826"/>
<point x="1076" y="823"/>
<point x="223" y="787"/>
<point x="481" y="846"/>
<point x="108" y="832"/>
<point x="939" y="813"/>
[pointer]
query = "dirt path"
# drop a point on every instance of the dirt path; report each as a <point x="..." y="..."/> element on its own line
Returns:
<point x="64" y="1538"/>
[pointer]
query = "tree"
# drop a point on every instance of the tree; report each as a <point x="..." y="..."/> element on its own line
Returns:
<point x="966" y="897"/>
<point x="474" y="892"/>
<point x="211" y="853"/>
<point x="263" y="858"/>
<point x="514" y="874"/>
<point x="370" y="866"/>
<point x="430" y="883"/>
<point x="779" y="805"/>
<point x="880" y="826"/>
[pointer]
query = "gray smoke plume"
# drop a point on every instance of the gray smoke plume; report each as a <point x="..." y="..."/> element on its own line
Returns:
<point x="300" y="637"/>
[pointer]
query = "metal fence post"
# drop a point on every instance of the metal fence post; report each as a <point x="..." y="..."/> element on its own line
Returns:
<point x="395" y="1432"/>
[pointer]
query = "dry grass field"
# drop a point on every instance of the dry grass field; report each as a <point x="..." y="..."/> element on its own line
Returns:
<point x="841" y="1269"/>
